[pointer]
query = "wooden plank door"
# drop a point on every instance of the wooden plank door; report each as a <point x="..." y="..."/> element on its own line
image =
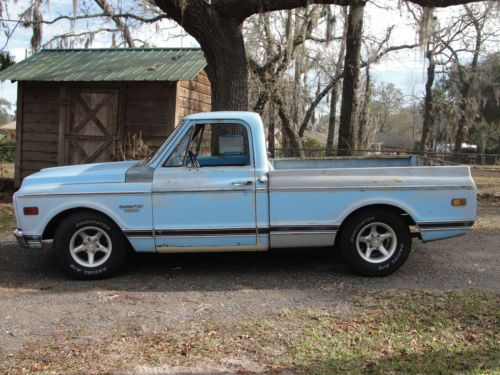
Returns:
<point x="91" y="133"/>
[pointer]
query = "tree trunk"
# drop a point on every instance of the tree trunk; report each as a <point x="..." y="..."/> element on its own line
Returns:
<point x="227" y="69"/>
<point x="271" y="141"/>
<point x="428" y="102"/>
<point x="221" y="39"/>
<point x="462" y="121"/>
<point x="365" y="112"/>
<point x="290" y="135"/>
<point x="296" y="86"/>
<point x="351" y="77"/>
<point x="332" y="117"/>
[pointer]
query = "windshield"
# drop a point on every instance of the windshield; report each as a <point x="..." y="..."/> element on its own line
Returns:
<point x="154" y="156"/>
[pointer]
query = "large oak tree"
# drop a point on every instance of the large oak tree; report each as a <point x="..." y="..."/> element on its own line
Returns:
<point x="217" y="26"/>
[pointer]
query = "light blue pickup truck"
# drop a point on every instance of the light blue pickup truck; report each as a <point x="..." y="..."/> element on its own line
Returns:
<point x="211" y="187"/>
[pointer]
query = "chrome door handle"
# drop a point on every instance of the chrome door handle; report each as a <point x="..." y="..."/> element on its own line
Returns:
<point x="242" y="183"/>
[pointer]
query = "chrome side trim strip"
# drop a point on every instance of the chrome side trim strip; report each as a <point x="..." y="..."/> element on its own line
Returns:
<point x="210" y="249"/>
<point x="362" y="188"/>
<point x="203" y="235"/>
<point x="293" y="233"/>
<point x="49" y="195"/>
<point x="458" y="223"/>
<point x="304" y="228"/>
<point x="222" y="190"/>
<point x="443" y="228"/>
<point x="206" y="231"/>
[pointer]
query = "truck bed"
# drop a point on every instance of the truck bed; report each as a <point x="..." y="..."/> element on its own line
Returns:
<point x="312" y="191"/>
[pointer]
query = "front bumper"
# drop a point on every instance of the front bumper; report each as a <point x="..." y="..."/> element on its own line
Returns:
<point x="32" y="242"/>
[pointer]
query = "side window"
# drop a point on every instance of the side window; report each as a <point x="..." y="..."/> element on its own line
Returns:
<point x="217" y="145"/>
<point x="178" y="157"/>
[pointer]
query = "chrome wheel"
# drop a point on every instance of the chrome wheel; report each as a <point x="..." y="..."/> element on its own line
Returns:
<point x="90" y="246"/>
<point x="376" y="242"/>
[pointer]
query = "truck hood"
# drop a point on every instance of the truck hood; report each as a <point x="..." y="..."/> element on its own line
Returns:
<point x="81" y="174"/>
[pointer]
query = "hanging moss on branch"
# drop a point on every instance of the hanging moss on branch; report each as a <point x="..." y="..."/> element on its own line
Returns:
<point x="6" y="60"/>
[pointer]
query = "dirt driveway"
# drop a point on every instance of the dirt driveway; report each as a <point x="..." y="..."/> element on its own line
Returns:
<point x="38" y="302"/>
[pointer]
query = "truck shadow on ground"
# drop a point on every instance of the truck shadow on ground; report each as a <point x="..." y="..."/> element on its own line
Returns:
<point x="460" y="263"/>
<point x="287" y="268"/>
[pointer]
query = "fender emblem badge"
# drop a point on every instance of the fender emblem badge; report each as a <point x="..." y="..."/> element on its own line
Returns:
<point x="131" y="207"/>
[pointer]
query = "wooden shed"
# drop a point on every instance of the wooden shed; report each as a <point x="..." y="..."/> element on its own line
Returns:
<point x="80" y="105"/>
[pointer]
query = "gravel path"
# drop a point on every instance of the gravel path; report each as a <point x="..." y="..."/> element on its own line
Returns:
<point x="37" y="301"/>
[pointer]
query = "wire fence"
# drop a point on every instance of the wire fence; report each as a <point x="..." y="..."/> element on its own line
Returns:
<point x="7" y="157"/>
<point x="448" y="157"/>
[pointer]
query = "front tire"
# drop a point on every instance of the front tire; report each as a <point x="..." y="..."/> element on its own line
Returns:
<point x="375" y="243"/>
<point x="89" y="246"/>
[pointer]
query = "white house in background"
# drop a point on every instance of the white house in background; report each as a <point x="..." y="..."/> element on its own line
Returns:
<point x="449" y="147"/>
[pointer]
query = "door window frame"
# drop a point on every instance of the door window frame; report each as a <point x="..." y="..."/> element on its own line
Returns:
<point x="191" y="124"/>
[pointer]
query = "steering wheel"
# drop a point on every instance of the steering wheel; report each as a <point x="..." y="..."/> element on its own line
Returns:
<point x="192" y="159"/>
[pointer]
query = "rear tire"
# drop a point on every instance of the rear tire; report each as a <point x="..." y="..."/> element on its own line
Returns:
<point x="89" y="246"/>
<point x="376" y="242"/>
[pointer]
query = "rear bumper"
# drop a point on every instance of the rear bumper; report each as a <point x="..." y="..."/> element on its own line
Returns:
<point x="31" y="242"/>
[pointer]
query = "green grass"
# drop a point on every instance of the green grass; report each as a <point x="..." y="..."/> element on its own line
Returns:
<point x="416" y="332"/>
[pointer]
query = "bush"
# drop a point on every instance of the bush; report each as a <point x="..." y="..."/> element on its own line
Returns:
<point x="7" y="150"/>
<point x="313" y="148"/>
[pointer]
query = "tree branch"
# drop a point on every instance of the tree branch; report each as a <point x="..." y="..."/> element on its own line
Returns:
<point x="442" y="3"/>
<point x="334" y="79"/>
<point x="89" y="16"/>
<point x="242" y="9"/>
<point x="108" y="12"/>
<point x="76" y="35"/>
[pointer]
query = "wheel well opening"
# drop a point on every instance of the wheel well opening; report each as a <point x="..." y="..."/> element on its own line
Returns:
<point x="51" y="227"/>
<point x="386" y="207"/>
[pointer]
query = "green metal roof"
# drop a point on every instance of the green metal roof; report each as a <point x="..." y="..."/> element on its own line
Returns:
<point x="132" y="64"/>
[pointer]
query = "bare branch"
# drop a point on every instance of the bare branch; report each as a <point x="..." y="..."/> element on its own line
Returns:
<point x="108" y="12"/>
<point x="442" y="3"/>
<point x="242" y="9"/>
<point x="78" y="35"/>
<point x="90" y="16"/>
<point x="334" y="79"/>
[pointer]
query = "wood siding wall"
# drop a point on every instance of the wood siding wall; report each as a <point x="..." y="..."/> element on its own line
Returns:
<point x="150" y="108"/>
<point x="38" y="136"/>
<point x="193" y="96"/>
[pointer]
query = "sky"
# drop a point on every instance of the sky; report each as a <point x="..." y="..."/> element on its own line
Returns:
<point x="405" y="69"/>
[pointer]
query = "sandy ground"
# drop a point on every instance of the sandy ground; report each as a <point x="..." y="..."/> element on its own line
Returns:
<point x="37" y="301"/>
<point x="487" y="179"/>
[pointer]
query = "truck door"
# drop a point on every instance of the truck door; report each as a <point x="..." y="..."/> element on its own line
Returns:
<point x="204" y="191"/>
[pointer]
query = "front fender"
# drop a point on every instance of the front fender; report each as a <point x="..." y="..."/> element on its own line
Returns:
<point x="127" y="211"/>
